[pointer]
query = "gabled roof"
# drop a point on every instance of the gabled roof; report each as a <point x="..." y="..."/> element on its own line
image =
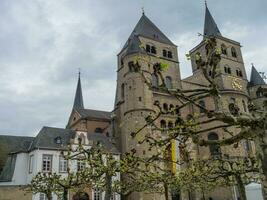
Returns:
<point x="78" y="100"/>
<point x="146" y="28"/>
<point x="255" y="78"/>
<point x="210" y="26"/>
<point x="94" y="114"/>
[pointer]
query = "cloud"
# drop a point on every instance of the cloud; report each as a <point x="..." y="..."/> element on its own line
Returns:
<point x="44" y="42"/>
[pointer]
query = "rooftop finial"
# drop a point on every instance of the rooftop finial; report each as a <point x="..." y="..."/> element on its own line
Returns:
<point x="143" y="10"/>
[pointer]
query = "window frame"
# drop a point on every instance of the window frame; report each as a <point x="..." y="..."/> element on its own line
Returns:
<point x="51" y="162"/>
<point x="97" y="195"/>
<point x="31" y="163"/>
<point x="65" y="164"/>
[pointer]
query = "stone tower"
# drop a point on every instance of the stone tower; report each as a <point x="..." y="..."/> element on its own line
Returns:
<point x="232" y="81"/>
<point x="146" y="45"/>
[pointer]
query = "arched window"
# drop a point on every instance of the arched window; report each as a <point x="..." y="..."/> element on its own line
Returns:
<point x="203" y="106"/>
<point x="214" y="149"/>
<point x="148" y="48"/>
<point x="169" y="54"/>
<point x="244" y="105"/>
<point x="229" y="70"/>
<point x="164" y="53"/>
<point x="223" y="49"/>
<point x="162" y="124"/>
<point x="165" y="107"/>
<point x="155" y="80"/>
<point x="233" y="51"/>
<point x="131" y="66"/>
<point x="168" y="83"/>
<point x="153" y="50"/>
<point x="81" y="139"/>
<point x="122" y="91"/>
<point x="239" y="73"/>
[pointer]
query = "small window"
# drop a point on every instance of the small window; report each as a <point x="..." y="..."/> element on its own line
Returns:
<point x="229" y="70"/>
<point x="31" y="164"/>
<point x="239" y="73"/>
<point x="80" y="165"/>
<point x="155" y="80"/>
<point x="165" y="107"/>
<point x="214" y="149"/>
<point x="140" y="98"/>
<point x="169" y="54"/>
<point x="223" y="49"/>
<point x="168" y="82"/>
<point x="63" y="164"/>
<point x="244" y="106"/>
<point x="171" y="109"/>
<point x="164" y="53"/>
<point x="98" y="130"/>
<point x="162" y="124"/>
<point x="148" y="48"/>
<point x="234" y="54"/>
<point x="203" y="106"/>
<point x="97" y="194"/>
<point x="153" y="50"/>
<point x="131" y="66"/>
<point x="47" y="163"/>
<point x="122" y="91"/>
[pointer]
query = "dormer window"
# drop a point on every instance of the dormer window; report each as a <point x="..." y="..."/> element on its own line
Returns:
<point x="58" y="140"/>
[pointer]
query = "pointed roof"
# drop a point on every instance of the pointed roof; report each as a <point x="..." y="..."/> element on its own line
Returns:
<point x="210" y="26"/>
<point x="78" y="100"/>
<point x="255" y="78"/>
<point x="146" y="28"/>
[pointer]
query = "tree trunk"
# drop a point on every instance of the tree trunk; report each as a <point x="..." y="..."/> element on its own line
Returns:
<point x="49" y="196"/>
<point x="241" y="188"/>
<point x="108" y="192"/>
<point x="166" y="192"/>
<point x="65" y="194"/>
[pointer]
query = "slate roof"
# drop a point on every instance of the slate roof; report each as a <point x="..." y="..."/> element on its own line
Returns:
<point x="94" y="114"/>
<point x="104" y="140"/>
<point x="78" y="100"/>
<point x="46" y="138"/>
<point x="9" y="145"/>
<point x="255" y="78"/>
<point x="210" y="26"/>
<point x="146" y="28"/>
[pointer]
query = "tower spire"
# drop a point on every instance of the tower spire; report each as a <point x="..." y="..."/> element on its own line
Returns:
<point x="78" y="100"/>
<point x="210" y="26"/>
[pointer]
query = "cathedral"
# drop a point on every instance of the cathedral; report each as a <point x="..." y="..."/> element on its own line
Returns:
<point x="134" y="101"/>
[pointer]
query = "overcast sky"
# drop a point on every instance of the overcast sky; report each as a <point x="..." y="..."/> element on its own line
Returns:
<point x="44" y="42"/>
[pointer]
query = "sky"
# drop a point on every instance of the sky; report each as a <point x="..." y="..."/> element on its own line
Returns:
<point x="43" y="43"/>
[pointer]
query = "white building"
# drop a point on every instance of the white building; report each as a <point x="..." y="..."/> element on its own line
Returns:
<point x="30" y="155"/>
